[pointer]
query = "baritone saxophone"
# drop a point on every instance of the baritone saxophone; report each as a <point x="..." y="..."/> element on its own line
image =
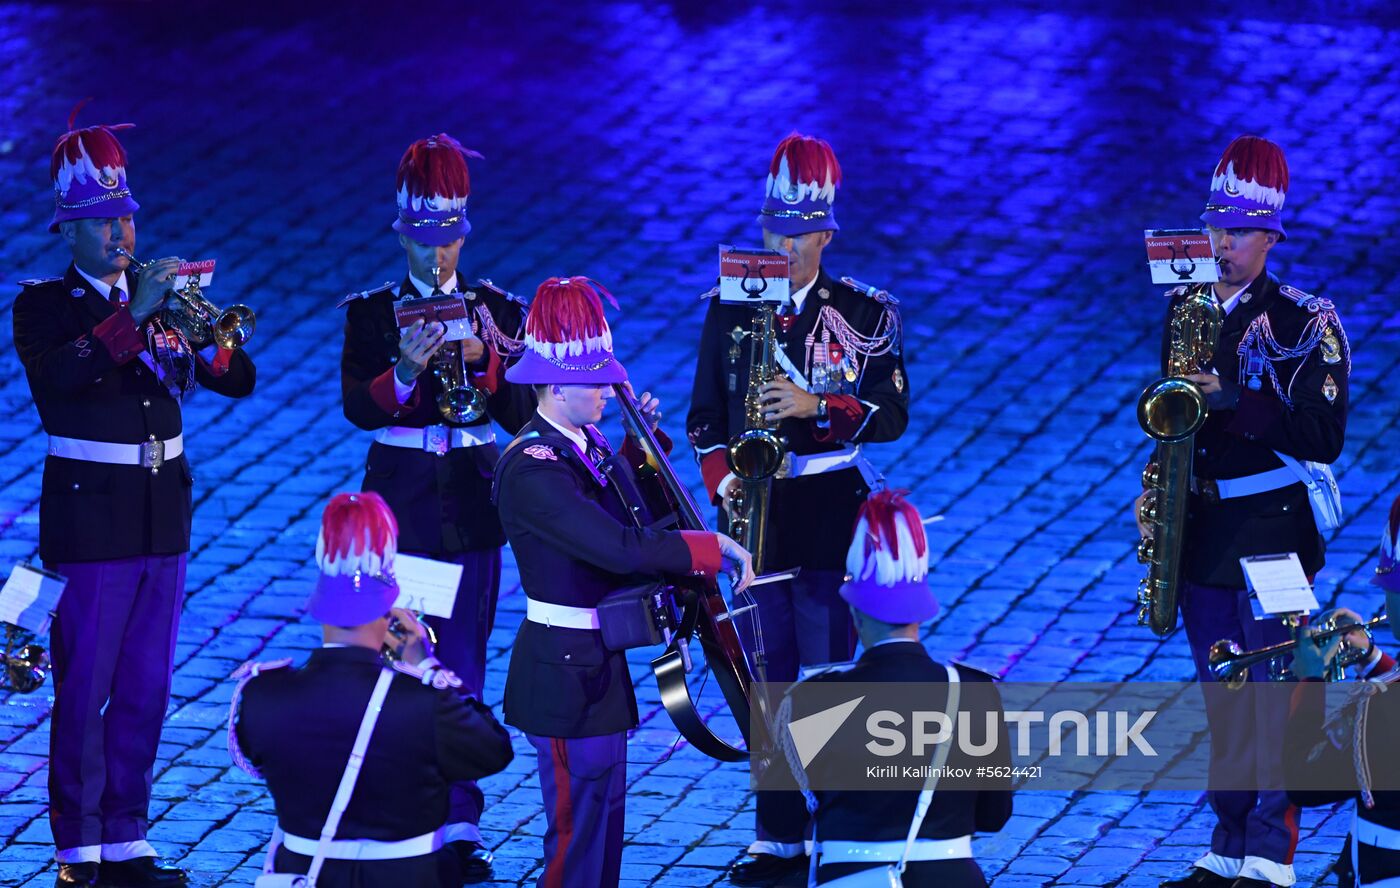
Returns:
<point x="1171" y="411"/>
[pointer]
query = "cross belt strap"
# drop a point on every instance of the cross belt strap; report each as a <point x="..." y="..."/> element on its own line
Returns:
<point x="150" y="454"/>
<point x="365" y="849"/>
<point x="436" y="438"/>
<point x="1231" y="488"/>
<point x="890" y="852"/>
<point x="561" y="615"/>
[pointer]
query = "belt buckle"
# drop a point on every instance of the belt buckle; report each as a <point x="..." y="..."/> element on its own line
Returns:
<point x="152" y="454"/>
<point x="436" y="439"/>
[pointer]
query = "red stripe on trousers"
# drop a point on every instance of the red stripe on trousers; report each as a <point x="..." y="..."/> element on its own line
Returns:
<point x="563" y="814"/>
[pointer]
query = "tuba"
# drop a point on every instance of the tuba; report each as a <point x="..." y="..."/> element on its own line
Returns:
<point x="200" y="321"/>
<point x="1171" y="411"/>
<point x="459" y="402"/>
<point x="756" y="454"/>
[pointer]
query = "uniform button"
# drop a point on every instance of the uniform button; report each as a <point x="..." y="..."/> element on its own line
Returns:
<point x="75" y="486"/>
<point x="568" y="656"/>
<point x="145" y="402"/>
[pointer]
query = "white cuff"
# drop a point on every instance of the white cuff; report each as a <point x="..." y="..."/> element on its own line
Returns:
<point x="461" y="832"/>
<point x="119" y="851"/>
<point x="81" y="854"/>
<point x="779" y="849"/>
<point x="1267" y="870"/>
<point x="403" y="392"/>
<point x="1226" y="867"/>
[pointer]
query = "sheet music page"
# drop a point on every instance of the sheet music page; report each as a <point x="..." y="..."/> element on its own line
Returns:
<point x="425" y="585"/>
<point x="1280" y="583"/>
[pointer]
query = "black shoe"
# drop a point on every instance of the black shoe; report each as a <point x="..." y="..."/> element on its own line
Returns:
<point x="76" y="874"/>
<point x="140" y="872"/>
<point x="1346" y="876"/>
<point x="1249" y="882"/>
<point x="1200" y="877"/>
<point x="765" y="870"/>
<point x="473" y="862"/>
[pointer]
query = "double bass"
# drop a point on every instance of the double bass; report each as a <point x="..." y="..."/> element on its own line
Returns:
<point x="704" y="615"/>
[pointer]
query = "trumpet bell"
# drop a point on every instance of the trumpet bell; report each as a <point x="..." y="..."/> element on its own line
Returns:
<point x="234" y="326"/>
<point x="26" y="669"/>
<point x="462" y="404"/>
<point x="1224" y="663"/>
<point x="756" y="454"/>
<point x="1172" y="409"/>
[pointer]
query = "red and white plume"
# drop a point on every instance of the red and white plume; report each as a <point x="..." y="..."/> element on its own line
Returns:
<point x="358" y="533"/>
<point x="1254" y="168"/>
<point x="566" y="318"/>
<point x="89" y="154"/>
<point x="889" y="545"/>
<point x="803" y="168"/>
<point x="433" y="175"/>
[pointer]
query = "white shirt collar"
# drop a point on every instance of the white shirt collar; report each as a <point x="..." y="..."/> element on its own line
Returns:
<point x="800" y="296"/>
<point x="579" y="438"/>
<point x="1233" y="302"/>
<point x="103" y="288"/>
<point x="426" y="289"/>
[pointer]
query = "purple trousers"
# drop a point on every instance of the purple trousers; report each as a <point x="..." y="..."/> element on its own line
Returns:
<point x="113" y="645"/>
<point x="461" y="646"/>
<point x="803" y="622"/>
<point x="584" y="783"/>
<point x="1244" y="739"/>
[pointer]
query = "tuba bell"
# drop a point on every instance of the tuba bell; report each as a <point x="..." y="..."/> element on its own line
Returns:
<point x="1171" y="411"/>
<point x="200" y="321"/>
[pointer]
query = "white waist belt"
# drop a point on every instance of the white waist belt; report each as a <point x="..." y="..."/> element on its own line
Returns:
<point x="366" y="849"/>
<point x="848" y="457"/>
<point x="890" y="852"/>
<point x="561" y="615"/>
<point x="436" y="438"/>
<point x="150" y="454"/>
<point x="1249" y="485"/>
<point x="1375" y="835"/>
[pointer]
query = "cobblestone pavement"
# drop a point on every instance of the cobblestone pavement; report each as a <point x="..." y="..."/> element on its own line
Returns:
<point x="1000" y="169"/>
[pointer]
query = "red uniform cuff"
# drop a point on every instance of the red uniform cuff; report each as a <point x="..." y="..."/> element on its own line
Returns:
<point x="381" y="391"/>
<point x="118" y="334"/>
<point x="1383" y="665"/>
<point x="845" y="413"/>
<point x="705" y="559"/>
<point x="219" y="366"/>
<point x="489" y="378"/>
<point x="1255" y="414"/>
<point x="713" y="467"/>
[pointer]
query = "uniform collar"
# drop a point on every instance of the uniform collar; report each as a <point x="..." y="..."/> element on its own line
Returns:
<point x="578" y="439"/>
<point x="425" y="289"/>
<point x="103" y="288"/>
<point x="352" y="653"/>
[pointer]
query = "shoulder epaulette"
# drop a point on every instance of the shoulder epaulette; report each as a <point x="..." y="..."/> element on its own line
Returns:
<point x="1308" y="301"/>
<point x="486" y="282"/>
<point x="878" y="294"/>
<point x="710" y="293"/>
<point x="253" y="668"/>
<point x="39" y="282"/>
<point x="364" y="294"/>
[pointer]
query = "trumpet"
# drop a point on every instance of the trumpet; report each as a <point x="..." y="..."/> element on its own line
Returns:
<point x="26" y="665"/>
<point x="460" y="401"/>
<point x="200" y="321"/>
<point x="1230" y="665"/>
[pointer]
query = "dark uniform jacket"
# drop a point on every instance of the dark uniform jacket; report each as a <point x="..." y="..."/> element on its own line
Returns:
<point x="297" y="726"/>
<point x="884" y="816"/>
<point x="442" y="503"/>
<point x="811" y="517"/>
<point x="1241" y="441"/>
<point x="575" y="543"/>
<point x="81" y="355"/>
<point x="1329" y="776"/>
